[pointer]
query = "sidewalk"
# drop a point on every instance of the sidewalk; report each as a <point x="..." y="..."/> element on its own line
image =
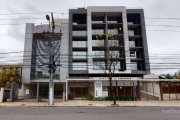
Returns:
<point x="95" y="103"/>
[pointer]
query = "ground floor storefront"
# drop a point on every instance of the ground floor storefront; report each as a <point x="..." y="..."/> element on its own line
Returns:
<point x="39" y="92"/>
<point x="83" y="89"/>
<point x="76" y="89"/>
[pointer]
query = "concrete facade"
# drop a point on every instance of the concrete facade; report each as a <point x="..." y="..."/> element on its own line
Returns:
<point x="85" y="78"/>
<point x="30" y="30"/>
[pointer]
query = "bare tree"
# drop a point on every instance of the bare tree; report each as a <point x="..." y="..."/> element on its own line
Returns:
<point x="113" y="50"/>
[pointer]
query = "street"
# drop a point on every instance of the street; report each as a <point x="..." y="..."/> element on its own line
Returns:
<point x="89" y="113"/>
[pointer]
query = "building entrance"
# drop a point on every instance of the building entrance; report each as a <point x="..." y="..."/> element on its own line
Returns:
<point x="79" y="90"/>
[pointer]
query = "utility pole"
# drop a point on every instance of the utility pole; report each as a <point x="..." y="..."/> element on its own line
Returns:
<point x="51" y="83"/>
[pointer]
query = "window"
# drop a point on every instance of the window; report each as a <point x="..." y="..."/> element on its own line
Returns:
<point x="133" y="65"/>
<point x="97" y="31"/>
<point x="130" y="23"/>
<point x="117" y="65"/>
<point x="99" y="65"/>
<point x="79" y="65"/>
<point x="79" y="54"/>
<point x="79" y="44"/>
<point x="133" y="54"/>
<point x="131" y="32"/>
<point x="79" y="33"/>
<point x="97" y="42"/>
<point x="97" y="19"/>
<point x="112" y="31"/>
<point x="113" y="42"/>
<point x="98" y="54"/>
<point x="132" y="44"/>
<point x="114" y="54"/>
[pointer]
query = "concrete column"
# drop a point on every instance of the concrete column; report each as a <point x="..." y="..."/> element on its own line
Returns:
<point x="153" y="90"/>
<point x="37" y="92"/>
<point x="1" y="94"/>
<point x="11" y="93"/>
<point x="66" y="89"/>
<point x="64" y="92"/>
<point x="139" y="92"/>
<point x="146" y="90"/>
<point x="161" y="92"/>
<point x="116" y="89"/>
<point x="175" y="90"/>
<point x="124" y="88"/>
<point x="168" y="90"/>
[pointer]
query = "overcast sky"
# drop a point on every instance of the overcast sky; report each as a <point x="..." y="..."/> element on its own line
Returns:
<point x="159" y="42"/>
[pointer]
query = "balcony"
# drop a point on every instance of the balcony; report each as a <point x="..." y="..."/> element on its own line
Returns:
<point x="134" y="46"/>
<point x="133" y="26"/>
<point x="79" y="33"/>
<point x="97" y="22"/>
<point x="97" y="31"/>
<point x="133" y="34"/>
<point x="79" y="26"/>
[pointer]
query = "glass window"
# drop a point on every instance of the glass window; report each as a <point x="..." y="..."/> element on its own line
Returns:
<point x="112" y="31"/>
<point x="79" y="65"/>
<point x="79" y="33"/>
<point x="79" y="54"/>
<point x="97" y="21"/>
<point x="97" y="43"/>
<point x="133" y="65"/>
<point x="83" y="43"/>
<point x="131" y="43"/>
<point x="133" y="54"/>
<point x="114" y="54"/>
<point x="98" y="54"/>
<point x="79" y="43"/>
<point x="113" y="43"/>
<point x="130" y="23"/>
<point x="117" y="65"/>
<point x="98" y="31"/>
<point x="39" y="68"/>
<point x="131" y="32"/>
<point x="99" y="65"/>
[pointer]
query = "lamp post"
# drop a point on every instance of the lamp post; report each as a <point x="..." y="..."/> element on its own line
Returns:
<point x="51" y="83"/>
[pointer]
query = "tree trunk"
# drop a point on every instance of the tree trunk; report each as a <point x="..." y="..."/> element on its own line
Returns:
<point x="112" y="91"/>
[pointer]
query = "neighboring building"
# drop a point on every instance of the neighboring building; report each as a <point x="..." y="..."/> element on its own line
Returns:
<point x="74" y="52"/>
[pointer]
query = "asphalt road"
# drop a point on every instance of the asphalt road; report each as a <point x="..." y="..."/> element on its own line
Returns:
<point x="89" y="113"/>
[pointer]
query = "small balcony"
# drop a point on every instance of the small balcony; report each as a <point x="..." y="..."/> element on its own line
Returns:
<point x="79" y="33"/>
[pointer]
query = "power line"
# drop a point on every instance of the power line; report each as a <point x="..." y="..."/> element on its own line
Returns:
<point x="24" y="13"/>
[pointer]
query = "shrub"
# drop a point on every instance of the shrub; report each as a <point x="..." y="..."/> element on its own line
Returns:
<point x="90" y="97"/>
<point x="118" y="98"/>
<point x="98" y="99"/>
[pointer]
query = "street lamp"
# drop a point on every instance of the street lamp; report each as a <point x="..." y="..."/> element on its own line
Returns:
<point x="51" y="84"/>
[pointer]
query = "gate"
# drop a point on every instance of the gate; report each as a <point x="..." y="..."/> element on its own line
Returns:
<point x="14" y="92"/>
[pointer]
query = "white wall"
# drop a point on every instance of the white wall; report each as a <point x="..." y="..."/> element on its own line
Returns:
<point x="120" y="9"/>
<point x="150" y="90"/>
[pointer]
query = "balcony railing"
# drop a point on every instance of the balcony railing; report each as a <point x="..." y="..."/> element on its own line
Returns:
<point x="79" y="33"/>
<point x="97" y="21"/>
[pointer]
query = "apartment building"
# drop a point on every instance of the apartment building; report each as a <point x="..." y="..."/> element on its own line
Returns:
<point x="76" y="52"/>
<point x="84" y="27"/>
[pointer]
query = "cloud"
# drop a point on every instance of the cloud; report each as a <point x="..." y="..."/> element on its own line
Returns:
<point x="12" y="36"/>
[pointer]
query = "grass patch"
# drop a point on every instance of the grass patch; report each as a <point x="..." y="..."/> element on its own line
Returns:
<point x="115" y="104"/>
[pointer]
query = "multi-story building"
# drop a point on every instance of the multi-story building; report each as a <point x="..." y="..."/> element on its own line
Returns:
<point x="76" y="51"/>
<point x="84" y="27"/>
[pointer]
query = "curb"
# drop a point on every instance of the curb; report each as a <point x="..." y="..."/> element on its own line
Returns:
<point x="85" y="106"/>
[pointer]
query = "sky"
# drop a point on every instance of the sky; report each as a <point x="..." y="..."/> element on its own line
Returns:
<point x="163" y="38"/>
